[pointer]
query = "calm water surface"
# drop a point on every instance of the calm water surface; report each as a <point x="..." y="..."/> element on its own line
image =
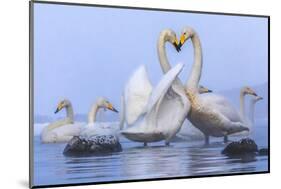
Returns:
<point x="182" y="158"/>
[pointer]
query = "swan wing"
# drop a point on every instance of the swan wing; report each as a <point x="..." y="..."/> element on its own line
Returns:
<point x="145" y="128"/>
<point x="69" y="130"/>
<point x="222" y="105"/>
<point x="160" y="91"/>
<point x="61" y="134"/>
<point x="136" y="94"/>
<point x="100" y="128"/>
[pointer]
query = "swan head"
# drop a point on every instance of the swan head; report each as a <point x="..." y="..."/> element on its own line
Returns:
<point x="170" y="35"/>
<point x="104" y="103"/>
<point x="187" y="33"/>
<point x="248" y="90"/>
<point x="62" y="104"/>
<point x="203" y="89"/>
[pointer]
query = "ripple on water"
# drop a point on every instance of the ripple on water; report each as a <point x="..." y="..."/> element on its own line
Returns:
<point x="138" y="162"/>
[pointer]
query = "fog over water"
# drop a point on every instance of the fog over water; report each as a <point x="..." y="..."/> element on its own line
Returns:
<point x="81" y="53"/>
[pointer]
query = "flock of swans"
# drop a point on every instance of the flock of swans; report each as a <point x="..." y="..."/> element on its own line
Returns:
<point x="156" y="113"/>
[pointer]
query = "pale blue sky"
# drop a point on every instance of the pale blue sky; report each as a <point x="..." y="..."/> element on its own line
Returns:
<point x="81" y="53"/>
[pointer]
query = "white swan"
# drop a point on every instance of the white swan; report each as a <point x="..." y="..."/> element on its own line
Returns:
<point x="155" y="114"/>
<point x="94" y="128"/>
<point x="221" y="102"/>
<point x="62" y="130"/>
<point x="188" y="131"/>
<point x="205" y="114"/>
<point x="253" y="102"/>
<point x="243" y="92"/>
<point x="96" y="137"/>
<point x="163" y="114"/>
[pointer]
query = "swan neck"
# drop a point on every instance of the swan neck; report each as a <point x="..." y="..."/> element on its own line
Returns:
<point x="70" y="113"/>
<point x="162" y="56"/>
<point x="242" y="105"/>
<point x="93" y="113"/>
<point x="164" y="63"/>
<point x="68" y="120"/>
<point x="196" y="70"/>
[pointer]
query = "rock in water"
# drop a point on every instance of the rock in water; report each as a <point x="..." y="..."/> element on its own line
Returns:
<point x="263" y="152"/>
<point x="96" y="145"/>
<point x="243" y="147"/>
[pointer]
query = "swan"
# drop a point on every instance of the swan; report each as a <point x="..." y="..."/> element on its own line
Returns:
<point x="188" y="131"/>
<point x="94" y="128"/>
<point x="221" y="102"/>
<point x="253" y="102"/>
<point x="163" y="114"/>
<point x="205" y="114"/>
<point x="243" y="92"/>
<point x="155" y="114"/>
<point x="96" y="137"/>
<point x="62" y="130"/>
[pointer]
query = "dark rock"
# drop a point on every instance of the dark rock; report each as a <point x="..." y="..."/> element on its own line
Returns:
<point x="96" y="145"/>
<point x="263" y="152"/>
<point x="243" y="147"/>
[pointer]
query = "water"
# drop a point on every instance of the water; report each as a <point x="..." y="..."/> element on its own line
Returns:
<point x="182" y="158"/>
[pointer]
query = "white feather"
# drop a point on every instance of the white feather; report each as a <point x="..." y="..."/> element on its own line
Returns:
<point x="137" y="92"/>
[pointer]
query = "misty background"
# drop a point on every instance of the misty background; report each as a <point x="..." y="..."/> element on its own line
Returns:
<point x="81" y="53"/>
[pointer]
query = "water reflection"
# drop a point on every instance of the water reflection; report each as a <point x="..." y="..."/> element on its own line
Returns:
<point x="138" y="162"/>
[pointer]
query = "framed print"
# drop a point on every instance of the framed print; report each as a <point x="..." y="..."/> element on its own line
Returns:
<point x="123" y="94"/>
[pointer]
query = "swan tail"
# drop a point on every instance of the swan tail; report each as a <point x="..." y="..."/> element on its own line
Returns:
<point x="237" y="127"/>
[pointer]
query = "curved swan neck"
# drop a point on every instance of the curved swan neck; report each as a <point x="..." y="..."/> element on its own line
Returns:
<point x="93" y="113"/>
<point x="69" y="112"/>
<point x="162" y="56"/>
<point x="195" y="74"/>
<point x="69" y="119"/>
<point x="164" y="63"/>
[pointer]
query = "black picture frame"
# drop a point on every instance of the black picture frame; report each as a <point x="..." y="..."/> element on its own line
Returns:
<point x="31" y="90"/>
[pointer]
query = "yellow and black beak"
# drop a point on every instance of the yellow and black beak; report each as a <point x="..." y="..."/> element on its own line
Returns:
<point x="110" y="107"/>
<point x="182" y="41"/>
<point x="60" y="106"/>
<point x="176" y="45"/>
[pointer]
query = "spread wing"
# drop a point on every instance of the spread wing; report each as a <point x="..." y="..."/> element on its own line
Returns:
<point x="136" y="94"/>
<point x="145" y="128"/>
<point x="160" y="91"/>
